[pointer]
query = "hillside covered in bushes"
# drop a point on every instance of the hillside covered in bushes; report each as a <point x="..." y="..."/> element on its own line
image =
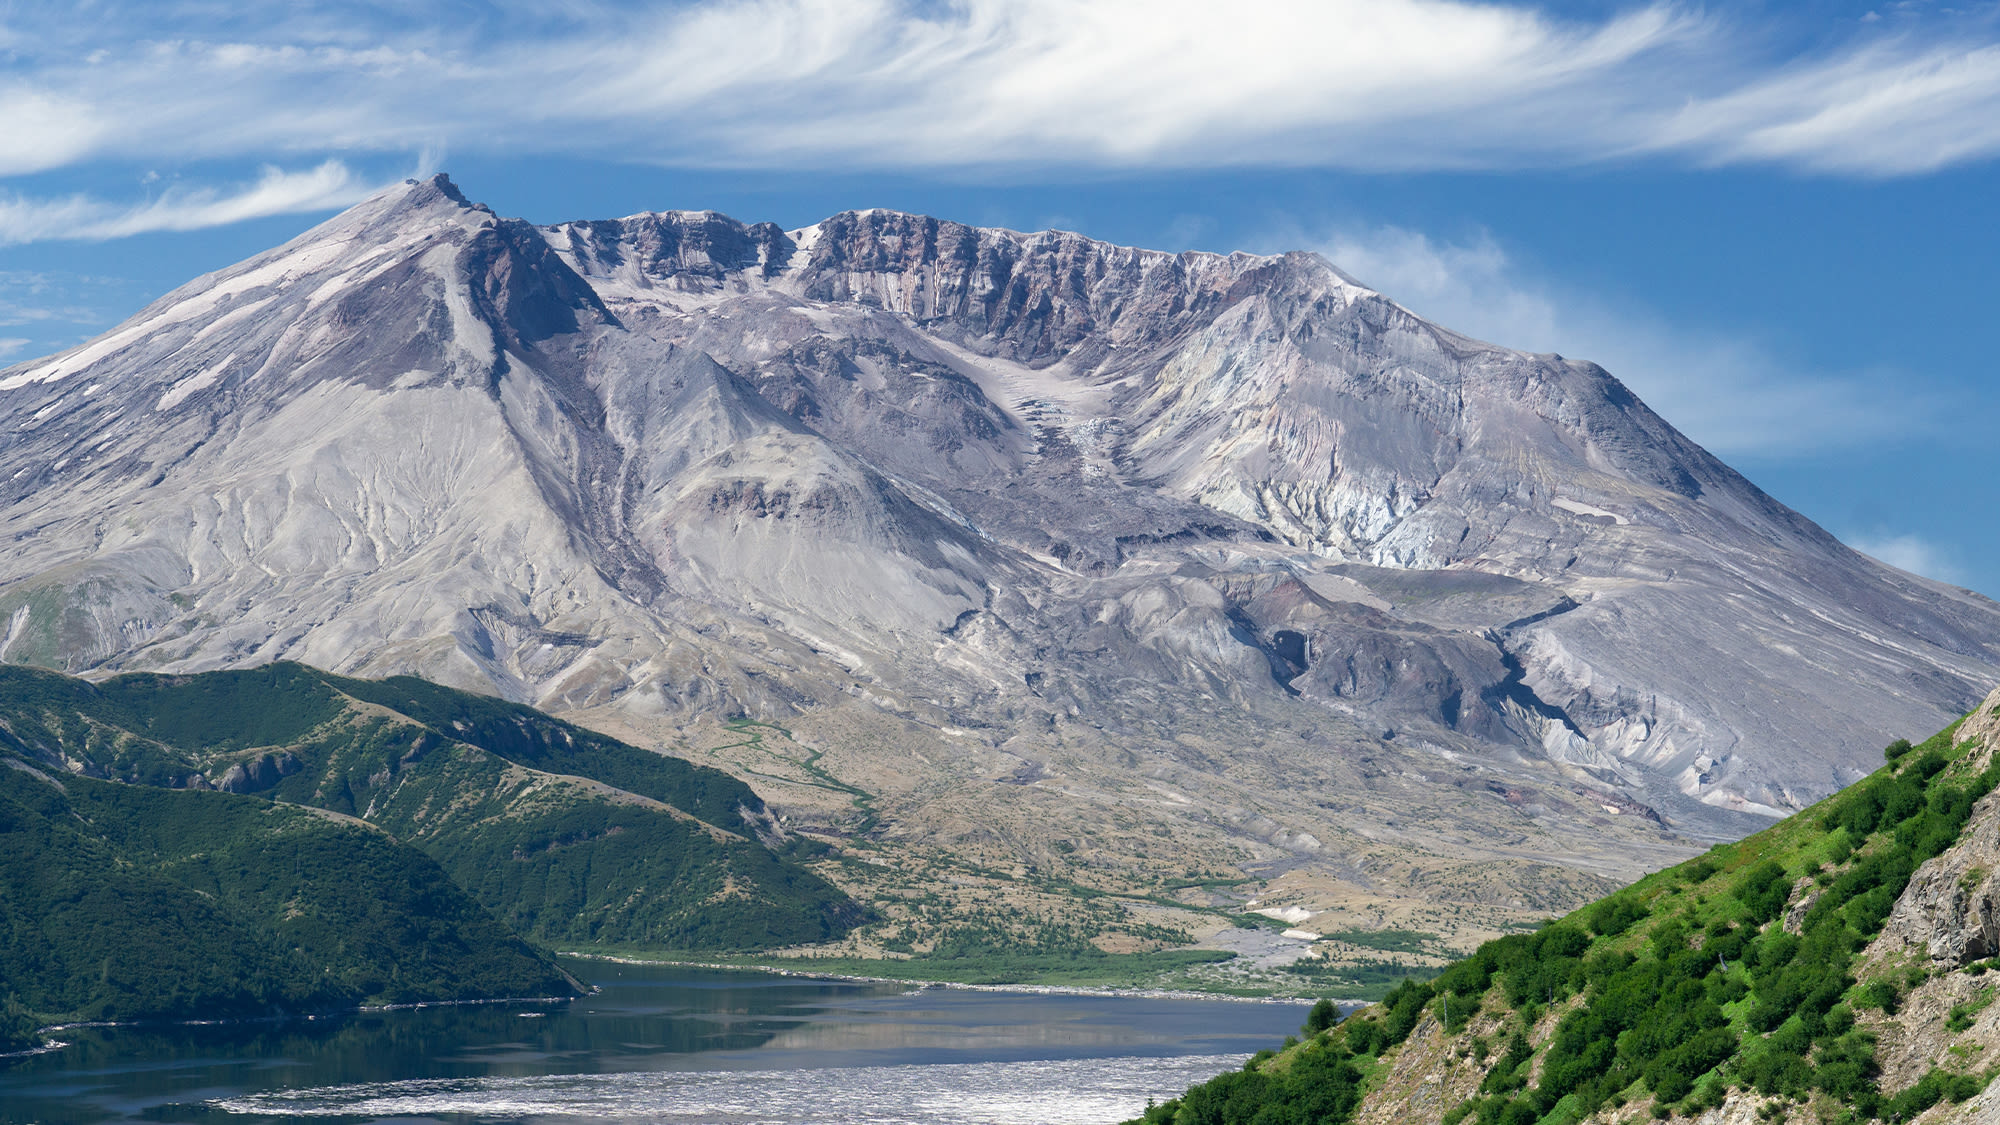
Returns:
<point x="282" y="839"/>
<point x="1836" y="966"/>
<point x="122" y="902"/>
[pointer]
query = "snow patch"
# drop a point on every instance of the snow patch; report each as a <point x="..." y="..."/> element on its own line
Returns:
<point x="1292" y="915"/>
<point x="364" y="270"/>
<point x="804" y="238"/>
<point x="16" y="625"/>
<point x="1580" y="508"/>
<point x="193" y="384"/>
<point x="468" y="331"/>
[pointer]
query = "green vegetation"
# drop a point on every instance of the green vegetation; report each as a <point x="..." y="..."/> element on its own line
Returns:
<point x="527" y="737"/>
<point x="123" y="902"/>
<point x="565" y="834"/>
<point x="1732" y="971"/>
<point x="988" y="943"/>
<point x="753" y="738"/>
<point x="1961" y="1015"/>
<point x="221" y="711"/>
<point x="1319" y="1081"/>
<point x="1095" y="969"/>
<point x="337" y="870"/>
<point x="1370" y="979"/>
<point x="17" y="1026"/>
<point x="1391" y="941"/>
<point x="1324" y="1015"/>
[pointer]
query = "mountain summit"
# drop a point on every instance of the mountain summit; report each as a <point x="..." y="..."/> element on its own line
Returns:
<point x="1228" y="543"/>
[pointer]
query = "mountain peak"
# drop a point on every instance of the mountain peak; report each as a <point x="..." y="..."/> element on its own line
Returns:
<point x="980" y="481"/>
<point x="404" y="210"/>
<point x="441" y="183"/>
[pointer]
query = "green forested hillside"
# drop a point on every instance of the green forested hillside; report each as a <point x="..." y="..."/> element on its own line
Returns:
<point x="528" y="737"/>
<point x="119" y="901"/>
<point x="1748" y="973"/>
<point x="364" y="826"/>
<point x="565" y="834"/>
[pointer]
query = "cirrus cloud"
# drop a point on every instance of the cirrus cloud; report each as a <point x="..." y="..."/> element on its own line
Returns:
<point x="1359" y="84"/>
<point x="275" y="192"/>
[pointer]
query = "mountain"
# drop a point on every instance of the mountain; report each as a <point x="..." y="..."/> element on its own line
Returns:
<point x="1128" y="568"/>
<point x="1835" y="966"/>
<point x="562" y="834"/>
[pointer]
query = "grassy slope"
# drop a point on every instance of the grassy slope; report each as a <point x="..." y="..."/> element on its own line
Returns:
<point x="1735" y="971"/>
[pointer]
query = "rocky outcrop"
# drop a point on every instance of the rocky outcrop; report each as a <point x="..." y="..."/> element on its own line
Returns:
<point x="1950" y="912"/>
<point x="259" y="773"/>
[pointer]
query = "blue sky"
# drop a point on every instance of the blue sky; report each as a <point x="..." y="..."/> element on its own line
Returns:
<point x="1776" y="222"/>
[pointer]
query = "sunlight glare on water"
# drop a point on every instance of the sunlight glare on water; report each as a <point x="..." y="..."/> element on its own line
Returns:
<point x="1058" y="1092"/>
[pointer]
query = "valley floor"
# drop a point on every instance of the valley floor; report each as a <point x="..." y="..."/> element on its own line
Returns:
<point x="1053" y="875"/>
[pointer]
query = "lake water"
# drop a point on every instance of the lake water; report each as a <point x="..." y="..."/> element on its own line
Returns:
<point x="660" y="1044"/>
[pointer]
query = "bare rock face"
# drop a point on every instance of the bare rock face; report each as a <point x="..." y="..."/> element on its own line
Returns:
<point x="1951" y="909"/>
<point x="1037" y="496"/>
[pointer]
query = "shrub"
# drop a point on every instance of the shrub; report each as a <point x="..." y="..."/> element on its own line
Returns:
<point x="1847" y="1066"/>
<point x="1365" y="1037"/>
<point x="1932" y="1088"/>
<point x="1229" y="1099"/>
<point x="1324" y="1014"/>
<point x="1614" y="916"/>
<point x="1506" y="1074"/>
<point x="1764" y="891"/>
<point x="1881" y="993"/>
<point x="1405" y="1006"/>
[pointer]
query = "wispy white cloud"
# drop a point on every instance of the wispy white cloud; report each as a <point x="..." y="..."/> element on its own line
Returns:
<point x="1884" y="109"/>
<point x="14" y="315"/>
<point x="275" y="192"/>
<point x="877" y="83"/>
<point x="11" y="344"/>
<point x="1117" y="82"/>
<point x="1912" y="553"/>
<point x="1729" y="394"/>
<point x="45" y="130"/>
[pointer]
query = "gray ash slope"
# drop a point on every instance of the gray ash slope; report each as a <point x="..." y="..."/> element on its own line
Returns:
<point x="986" y="481"/>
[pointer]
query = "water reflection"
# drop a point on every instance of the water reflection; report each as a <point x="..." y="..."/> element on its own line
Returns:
<point x="695" y="1027"/>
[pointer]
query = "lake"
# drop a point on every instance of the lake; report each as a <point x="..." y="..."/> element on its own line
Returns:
<point x="665" y="1044"/>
